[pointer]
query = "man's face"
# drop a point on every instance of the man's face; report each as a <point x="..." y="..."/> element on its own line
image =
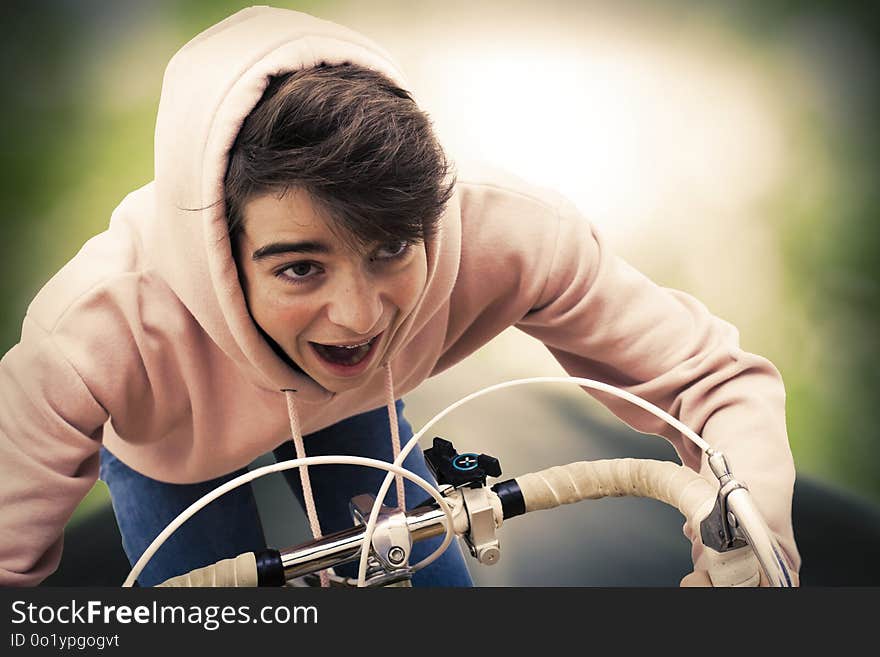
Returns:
<point x="332" y="309"/>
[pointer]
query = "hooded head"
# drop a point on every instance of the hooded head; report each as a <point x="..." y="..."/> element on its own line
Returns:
<point x="302" y="200"/>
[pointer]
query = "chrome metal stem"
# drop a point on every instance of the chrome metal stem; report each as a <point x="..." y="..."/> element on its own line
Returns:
<point x="345" y="546"/>
<point x="327" y="552"/>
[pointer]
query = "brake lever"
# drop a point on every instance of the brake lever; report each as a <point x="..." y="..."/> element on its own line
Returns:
<point x="735" y="522"/>
<point x="720" y="529"/>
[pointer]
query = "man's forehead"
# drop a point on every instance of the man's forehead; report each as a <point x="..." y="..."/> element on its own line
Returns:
<point x="266" y="223"/>
<point x="293" y="216"/>
<point x="288" y="242"/>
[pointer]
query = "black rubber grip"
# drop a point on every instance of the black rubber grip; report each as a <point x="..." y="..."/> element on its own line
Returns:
<point x="512" y="501"/>
<point x="270" y="572"/>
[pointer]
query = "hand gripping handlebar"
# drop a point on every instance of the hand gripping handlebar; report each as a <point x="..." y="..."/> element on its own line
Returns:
<point x="667" y="482"/>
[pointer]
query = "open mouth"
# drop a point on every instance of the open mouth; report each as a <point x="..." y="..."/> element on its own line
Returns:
<point x="343" y="357"/>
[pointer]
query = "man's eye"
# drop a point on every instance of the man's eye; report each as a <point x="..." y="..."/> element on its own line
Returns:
<point x="298" y="271"/>
<point x="393" y="250"/>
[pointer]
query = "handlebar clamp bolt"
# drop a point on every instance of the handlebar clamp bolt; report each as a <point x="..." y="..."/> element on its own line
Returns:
<point x="489" y="555"/>
<point x="396" y="555"/>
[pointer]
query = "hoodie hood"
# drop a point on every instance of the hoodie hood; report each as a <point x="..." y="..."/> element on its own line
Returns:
<point x="209" y="87"/>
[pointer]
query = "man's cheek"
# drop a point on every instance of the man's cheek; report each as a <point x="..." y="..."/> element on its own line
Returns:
<point x="290" y="314"/>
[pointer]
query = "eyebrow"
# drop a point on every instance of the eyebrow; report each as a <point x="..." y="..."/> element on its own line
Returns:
<point x="278" y="248"/>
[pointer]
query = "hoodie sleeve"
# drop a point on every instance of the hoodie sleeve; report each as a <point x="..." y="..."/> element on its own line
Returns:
<point x="50" y="429"/>
<point x="602" y="319"/>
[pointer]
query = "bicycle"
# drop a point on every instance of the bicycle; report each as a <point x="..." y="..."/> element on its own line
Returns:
<point x="738" y="542"/>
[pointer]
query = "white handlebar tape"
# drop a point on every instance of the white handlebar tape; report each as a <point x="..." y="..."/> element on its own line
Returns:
<point x="667" y="482"/>
<point x="239" y="571"/>
<point x="662" y="480"/>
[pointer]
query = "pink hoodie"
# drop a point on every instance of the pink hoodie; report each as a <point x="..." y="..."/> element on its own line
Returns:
<point x="144" y="341"/>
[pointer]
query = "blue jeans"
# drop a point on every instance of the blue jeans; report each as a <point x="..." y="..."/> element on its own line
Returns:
<point x="231" y="525"/>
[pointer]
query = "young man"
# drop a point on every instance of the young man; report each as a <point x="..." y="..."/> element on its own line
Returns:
<point x="305" y="256"/>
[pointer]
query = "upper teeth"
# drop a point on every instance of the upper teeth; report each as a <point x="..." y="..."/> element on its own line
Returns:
<point x="353" y="346"/>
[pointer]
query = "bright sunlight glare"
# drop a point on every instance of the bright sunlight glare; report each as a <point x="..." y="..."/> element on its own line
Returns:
<point x="632" y="135"/>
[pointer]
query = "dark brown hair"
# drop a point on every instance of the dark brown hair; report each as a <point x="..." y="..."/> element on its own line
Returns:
<point x="356" y="142"/>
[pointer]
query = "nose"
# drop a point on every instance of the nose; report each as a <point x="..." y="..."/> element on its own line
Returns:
<point x="355" y="305"/>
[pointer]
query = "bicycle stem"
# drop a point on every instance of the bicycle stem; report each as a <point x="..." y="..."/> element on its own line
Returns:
<point x="345" y="546"/>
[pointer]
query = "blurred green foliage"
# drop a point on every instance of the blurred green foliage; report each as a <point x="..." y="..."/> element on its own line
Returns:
<point x="78" y="121"/>
<point x="830" y="238"/>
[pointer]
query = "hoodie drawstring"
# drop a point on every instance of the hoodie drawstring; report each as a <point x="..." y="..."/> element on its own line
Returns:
<point x="296" y="435"/>
<point x="395" y="431"/>
<point x="311" y="511"/>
